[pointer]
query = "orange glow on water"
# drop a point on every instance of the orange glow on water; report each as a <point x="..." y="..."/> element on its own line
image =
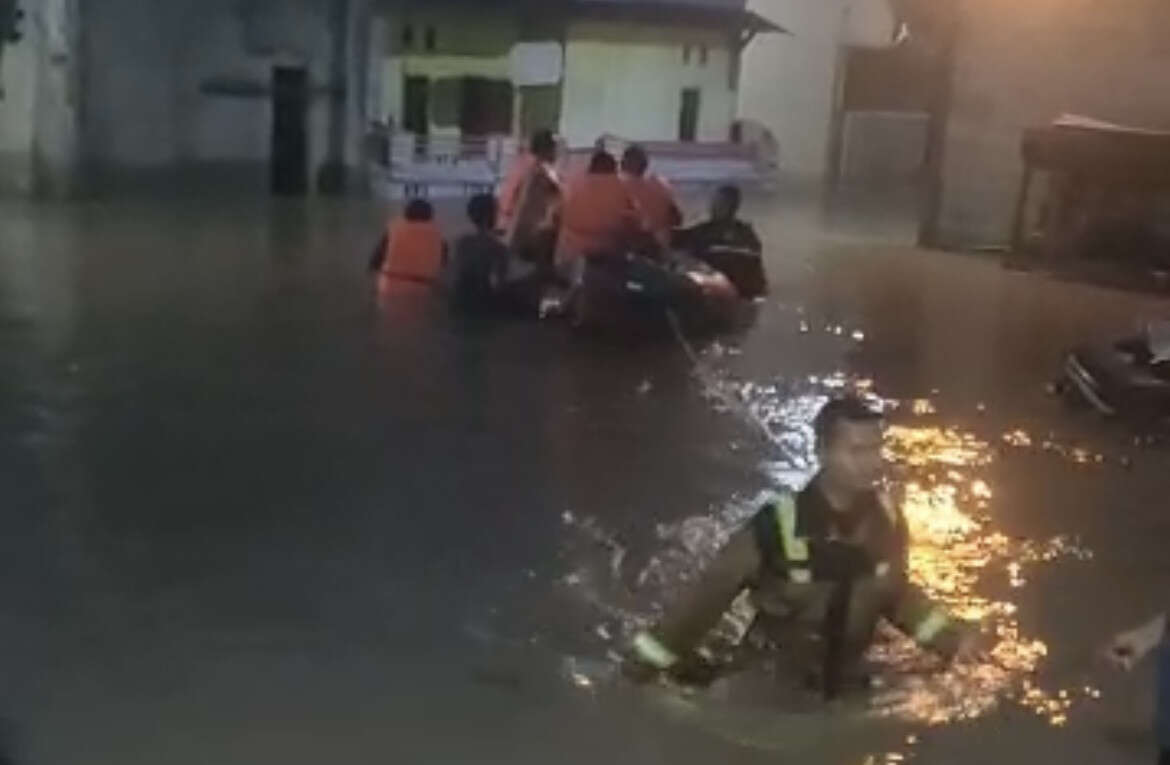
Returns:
<point x="954" y="550"/>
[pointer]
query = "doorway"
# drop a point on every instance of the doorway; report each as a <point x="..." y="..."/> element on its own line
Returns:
<point x="688" y="117"/>
<point x="289" y="170"/>
<point x="486" y="107"/>
<point x="416" y="111"/>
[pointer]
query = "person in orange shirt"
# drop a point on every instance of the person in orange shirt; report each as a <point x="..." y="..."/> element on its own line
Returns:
<point x="659" y="211"/>
<point x="415" y="250"/>
<point x="532" y="230"/>
<point x="513" y="184"/>
<point x="600" y="215"/>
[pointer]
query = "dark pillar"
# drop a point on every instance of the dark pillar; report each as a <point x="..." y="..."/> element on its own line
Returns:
<point x="942" y="38"/>
<point x="332" y="178"/>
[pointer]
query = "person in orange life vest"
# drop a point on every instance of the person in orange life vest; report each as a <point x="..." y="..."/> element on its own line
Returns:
<point x="600" y="215"/>
<point x="532" y="231"/>
<point x="656" y="204"/>
<point x="508" y="198"/>
<point x="415" y="250"/>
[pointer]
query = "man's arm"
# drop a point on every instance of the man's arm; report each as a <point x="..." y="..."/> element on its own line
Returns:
<point x="752" y="239"/>
<point x="674" y="215"/>
<point x="700" y="609"/>
<point x="928" y="623"/>
<point x="1129" y="648"/>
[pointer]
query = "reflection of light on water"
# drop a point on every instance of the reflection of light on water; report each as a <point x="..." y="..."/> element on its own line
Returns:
<point x="1077" y="455"/>
<point x="922" y="406"/>
<point x="1018" y="438"/>
<point x="953" y="548"/>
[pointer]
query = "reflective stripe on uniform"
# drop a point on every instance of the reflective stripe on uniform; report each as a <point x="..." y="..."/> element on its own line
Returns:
<point x="800" y="575"/>
<point x="653" y="652"/>
<point x="929" y="628"/>
<point x="795" y="548"/>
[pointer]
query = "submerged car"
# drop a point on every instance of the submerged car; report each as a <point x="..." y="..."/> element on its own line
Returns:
<point x="1129" y="378"/>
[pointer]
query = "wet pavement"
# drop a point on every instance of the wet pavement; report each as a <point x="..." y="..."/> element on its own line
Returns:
<point x="255" y="514"/>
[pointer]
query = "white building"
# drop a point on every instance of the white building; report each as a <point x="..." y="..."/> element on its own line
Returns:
<point x="791" y="83"/>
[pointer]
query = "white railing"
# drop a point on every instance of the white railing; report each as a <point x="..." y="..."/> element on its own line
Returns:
<point x="407" y="165"/>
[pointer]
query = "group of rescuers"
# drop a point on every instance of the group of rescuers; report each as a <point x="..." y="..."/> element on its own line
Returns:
<point x="540" y="229"/>
<point x="823" y="566"/>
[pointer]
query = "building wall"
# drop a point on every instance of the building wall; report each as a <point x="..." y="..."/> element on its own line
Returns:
<point x="40" y="105"/>
<point x="18" y="83"/>
<point x="147" y="105"/>
<point x="789" y="81"/>
<point x="1023" y="64"/>
<point x="466" y="45"/>
<point x="628" y="81"/>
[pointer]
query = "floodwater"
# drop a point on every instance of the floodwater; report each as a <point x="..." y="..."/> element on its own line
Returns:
<point x="255" y="514"/>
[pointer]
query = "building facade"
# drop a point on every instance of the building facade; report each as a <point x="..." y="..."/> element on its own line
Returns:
<point x="284" y="94"/>
<point x="645" y="71"/>
<point x="791" y="83"/>
<point x="1020" y="65"/>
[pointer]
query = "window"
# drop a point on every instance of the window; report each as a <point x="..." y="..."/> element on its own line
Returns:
<point x="686" y="54"/>
<point x="703" y="53"/>
<point x="408" y="37"/>
<point x="432" y="39"/>
<point x="688" y="117"/>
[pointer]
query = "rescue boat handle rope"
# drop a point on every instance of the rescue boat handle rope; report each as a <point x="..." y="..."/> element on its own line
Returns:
<point x="711" y="383"/>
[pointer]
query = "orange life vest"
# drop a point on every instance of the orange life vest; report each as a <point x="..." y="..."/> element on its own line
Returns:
<point x="513" y="185"/>
<point x="656" y="205"/>
<point x="598" y="213"/>
<point x="414" y="251"/>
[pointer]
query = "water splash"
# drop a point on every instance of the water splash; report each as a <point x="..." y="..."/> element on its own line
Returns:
<point x="956" y="554"/>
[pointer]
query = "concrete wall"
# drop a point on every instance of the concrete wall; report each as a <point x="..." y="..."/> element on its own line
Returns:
<point x="466" y="46"/>
<point x="789" y="81"/>
<point x="18" y="90"/>
<point x="1024" y="63"/>
<point x="41" y="103"/>
<point x="628" y="81"/>
<point x="147" y="109"/>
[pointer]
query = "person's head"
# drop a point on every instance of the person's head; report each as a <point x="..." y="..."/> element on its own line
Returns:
<point x="849" y="443"/>
<point x="635" y="161"/>
<point x="419" y="211"/>
<point x="725" y="204"/>
<point x="544" y="145"/>
<point x="602" y="163"/>
<point x="482" y="210"/>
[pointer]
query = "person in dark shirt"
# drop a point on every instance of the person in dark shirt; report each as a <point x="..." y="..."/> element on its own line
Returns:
<point x="727" y="244"/>
<point x="821" y="567"/>
<point x="480" y="265"/>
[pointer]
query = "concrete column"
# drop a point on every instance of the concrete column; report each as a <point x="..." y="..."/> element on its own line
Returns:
<point x="332" y="179"/>
<point x="56" y="146"/>
<point x="18" y="89"/>
<point x="40" y="114"/>
<point x="361" y="43"/>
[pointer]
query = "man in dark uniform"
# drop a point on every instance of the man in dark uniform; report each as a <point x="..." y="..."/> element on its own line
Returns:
<point x="822" y="568"/>
<point x="727" y="244"/>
